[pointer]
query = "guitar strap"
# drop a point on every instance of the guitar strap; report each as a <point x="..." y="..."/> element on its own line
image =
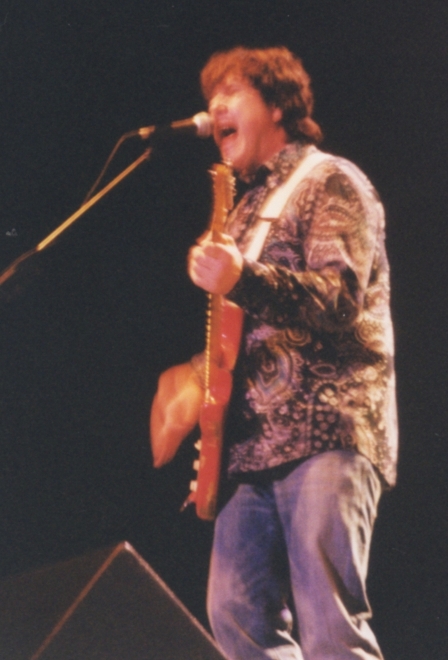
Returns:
<point x="276" y="201"/>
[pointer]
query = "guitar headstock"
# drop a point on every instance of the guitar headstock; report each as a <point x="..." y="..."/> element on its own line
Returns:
<point x="223" y="194"/>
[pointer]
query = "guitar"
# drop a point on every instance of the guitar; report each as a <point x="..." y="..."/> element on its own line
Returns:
<point x="223" y="336"/>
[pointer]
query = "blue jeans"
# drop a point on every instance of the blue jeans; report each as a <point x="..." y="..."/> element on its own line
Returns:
<point x="296" y="550"/>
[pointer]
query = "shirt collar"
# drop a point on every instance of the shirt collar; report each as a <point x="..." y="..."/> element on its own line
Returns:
<point x="277" y="169"/>
<point x="284" y="162"/>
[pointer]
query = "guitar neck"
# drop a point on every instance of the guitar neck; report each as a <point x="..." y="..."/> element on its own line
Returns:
<point x="223" y="189"/>
<point x="218" y="380"/>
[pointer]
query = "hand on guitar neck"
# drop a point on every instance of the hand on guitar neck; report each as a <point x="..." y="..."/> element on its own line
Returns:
<point x="215" y="263"/>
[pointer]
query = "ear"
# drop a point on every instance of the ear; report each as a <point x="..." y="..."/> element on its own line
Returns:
<point x="277" y="114"/>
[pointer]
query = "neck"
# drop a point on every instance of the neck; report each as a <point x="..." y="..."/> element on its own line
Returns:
<point x="278" y="141"/>
<point x="274" y="148"/>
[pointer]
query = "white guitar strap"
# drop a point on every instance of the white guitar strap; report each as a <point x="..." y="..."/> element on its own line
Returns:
<point x="276" y="201"/>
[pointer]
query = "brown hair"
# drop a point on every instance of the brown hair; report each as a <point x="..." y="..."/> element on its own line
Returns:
<point x="280" y="78"/>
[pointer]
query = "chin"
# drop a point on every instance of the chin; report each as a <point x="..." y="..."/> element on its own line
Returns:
<point x="229" y="156"/>
<point x="236" y="163"/>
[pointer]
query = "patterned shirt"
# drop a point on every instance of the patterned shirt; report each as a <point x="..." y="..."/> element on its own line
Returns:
<point x="315" y="370"/>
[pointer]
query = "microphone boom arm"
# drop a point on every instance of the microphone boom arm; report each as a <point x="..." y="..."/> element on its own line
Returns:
<point x="11" y="269"/>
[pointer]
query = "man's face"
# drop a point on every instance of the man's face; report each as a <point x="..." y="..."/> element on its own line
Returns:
<point x="246" y="130"/>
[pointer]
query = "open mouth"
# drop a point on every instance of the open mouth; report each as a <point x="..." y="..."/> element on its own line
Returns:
<point x="226" y="131"/>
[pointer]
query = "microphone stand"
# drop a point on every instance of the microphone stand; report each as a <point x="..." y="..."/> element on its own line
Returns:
<point x="6" y="274"/>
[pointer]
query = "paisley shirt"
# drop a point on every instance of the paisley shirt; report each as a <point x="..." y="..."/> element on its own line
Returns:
<point x="315" y="370"/>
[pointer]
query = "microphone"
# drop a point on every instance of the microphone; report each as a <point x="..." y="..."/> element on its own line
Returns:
<point x="200" y="125"/>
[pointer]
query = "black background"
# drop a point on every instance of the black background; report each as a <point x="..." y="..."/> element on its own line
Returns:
<point x="87" y="325"/>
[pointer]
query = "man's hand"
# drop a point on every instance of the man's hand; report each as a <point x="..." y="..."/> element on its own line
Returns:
<point x="215" y="267"/>
<point x="174" y="411"/>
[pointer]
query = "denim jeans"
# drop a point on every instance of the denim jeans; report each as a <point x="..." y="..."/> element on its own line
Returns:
<point x="296" y="550"/>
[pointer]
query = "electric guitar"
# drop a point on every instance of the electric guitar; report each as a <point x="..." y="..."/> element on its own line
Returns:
<point x="223" y="335"/>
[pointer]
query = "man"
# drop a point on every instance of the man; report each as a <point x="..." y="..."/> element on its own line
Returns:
<point x="311" y="433"/>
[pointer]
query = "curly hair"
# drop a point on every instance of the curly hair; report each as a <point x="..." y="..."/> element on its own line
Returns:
<point x="280" y="78"/>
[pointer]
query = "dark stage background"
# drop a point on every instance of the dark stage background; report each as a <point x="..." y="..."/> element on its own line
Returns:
<point x="87" y="325"/>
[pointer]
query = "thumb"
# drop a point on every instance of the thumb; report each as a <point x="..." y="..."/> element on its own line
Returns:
<point x="205" y="237"/>
<point x="225" y="239"/>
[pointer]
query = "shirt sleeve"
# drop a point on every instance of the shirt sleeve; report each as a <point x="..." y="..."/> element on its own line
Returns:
<point x="316" y="265"/>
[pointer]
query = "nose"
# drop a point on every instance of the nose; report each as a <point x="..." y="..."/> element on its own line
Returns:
<point x="218" y="104"/>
